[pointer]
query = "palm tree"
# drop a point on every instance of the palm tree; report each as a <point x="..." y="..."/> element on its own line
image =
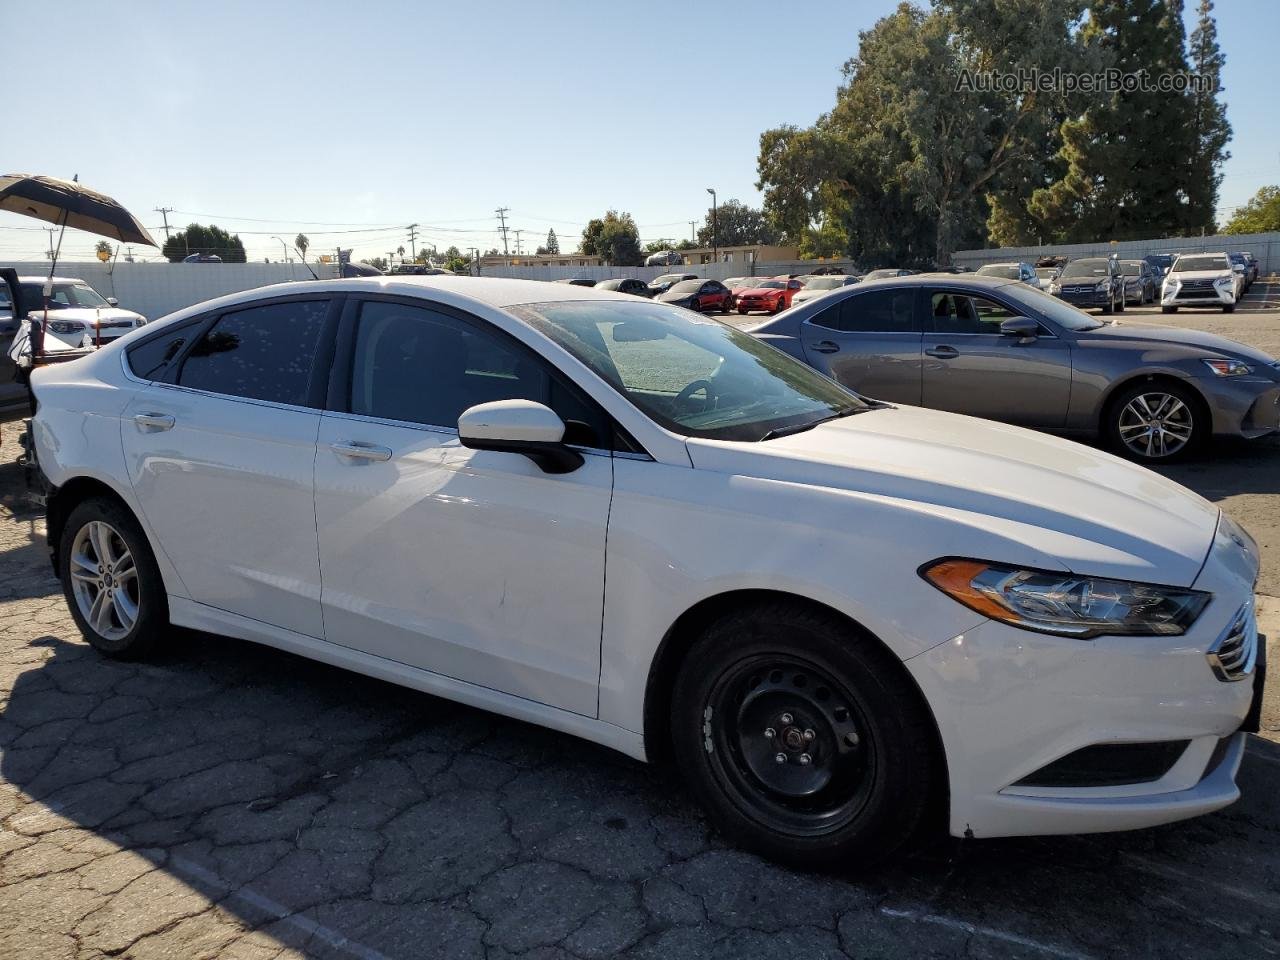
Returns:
<point x="301" y="242"/>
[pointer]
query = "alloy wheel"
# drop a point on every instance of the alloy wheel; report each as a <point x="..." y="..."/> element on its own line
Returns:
<point x="1156" y="425"/>
<point x="104" y="580"/>
<point x="789" y="744"/>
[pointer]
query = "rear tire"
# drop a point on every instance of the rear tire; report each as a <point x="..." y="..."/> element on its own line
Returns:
<point x="111" y="581"/>
<point x="859" y="765"/>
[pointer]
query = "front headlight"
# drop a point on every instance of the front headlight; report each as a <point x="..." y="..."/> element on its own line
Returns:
<point x="66" y="326"/>
<point x="1224" y="282"/>
<point x="1228" y="368"/>
<point x="1055" y="286"/>
<point x="1103" y="286"/>
<point x="1065" y="604"/>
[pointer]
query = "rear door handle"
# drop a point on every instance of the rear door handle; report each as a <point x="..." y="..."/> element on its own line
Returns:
<point x="827" y="346"/>
<point x="943" y="352"/>
<point x="356" y="450"/>
<point x="154" y="421"/>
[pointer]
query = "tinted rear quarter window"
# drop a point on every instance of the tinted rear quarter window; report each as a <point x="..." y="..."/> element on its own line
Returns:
<point x="262" y="353"/>
<point x="876" y="311"/>
<point x="149" y="359"/>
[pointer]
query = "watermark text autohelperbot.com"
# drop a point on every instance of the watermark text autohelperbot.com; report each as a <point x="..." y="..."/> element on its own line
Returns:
<point x="1057" y="80"/>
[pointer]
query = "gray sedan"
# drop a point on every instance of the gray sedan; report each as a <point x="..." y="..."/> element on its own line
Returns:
<point x="1003" y="350"/>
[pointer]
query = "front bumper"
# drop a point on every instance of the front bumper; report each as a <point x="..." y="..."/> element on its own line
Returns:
<point x="1185" y="296"/>
<point x="1246" y="407"/>
<point x="1009" y="703"/>
<point x="1090" y="298"/>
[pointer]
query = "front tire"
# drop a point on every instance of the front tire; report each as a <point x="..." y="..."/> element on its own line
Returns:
<point x="1168" y="309"/>
<point x="1228" y="308"/>
<point x="1156" y="422"/>
<point x="111" y="581"/>
<point x="803" y="738"/>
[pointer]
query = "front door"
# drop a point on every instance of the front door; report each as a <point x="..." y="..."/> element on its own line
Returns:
<point x="472" y="564"/>
<point x="870" y="342"/>
<point x="221" y="460"/>
<point x="970" y="367"/>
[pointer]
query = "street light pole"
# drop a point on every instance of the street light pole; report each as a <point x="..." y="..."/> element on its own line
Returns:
<point x="285" y="247"/>
<point x="715" y="234"/>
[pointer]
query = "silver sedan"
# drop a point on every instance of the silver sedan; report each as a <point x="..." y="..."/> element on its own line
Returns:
<point x="1005" y="351"/>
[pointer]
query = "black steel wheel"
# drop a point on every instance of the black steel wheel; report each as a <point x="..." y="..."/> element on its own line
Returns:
<point x="804" y="738"/>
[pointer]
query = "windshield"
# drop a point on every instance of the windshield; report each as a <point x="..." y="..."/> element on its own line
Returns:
<point x="686" y="286"/>
<point x="879" y="274"/>
<point x="64" y="295"/>
<point x="1046" y="273"/>
<point x="1085" y="268"/>
<point x="694" y="376"/>
<point x="770" y="285"/>
<point x="1047" y="305"/>
<point x="1188" y="264"/>
<point x="824" y="283"/>
<point x="668" y="278"/>
<point x="1132" y="268"/>
<point x="1004" y="271"/>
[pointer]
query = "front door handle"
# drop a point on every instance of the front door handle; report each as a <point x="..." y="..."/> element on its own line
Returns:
<point x="826" y="346"/>
<point x="356" y="450"/>
<point x="154" y="421"/>
<point x="943" y="352"/>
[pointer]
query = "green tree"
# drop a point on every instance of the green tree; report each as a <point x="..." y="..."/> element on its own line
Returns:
<point x="200" y="239"/>
<point x="553" y="242"/>
<point x="736" y="224"/>
<point x="378" y="263"/>
<point x="1260" y="215"/>
<point x="1209" y="122"/>
<point x="615" y="238"/>
<point x="301" y="241"/>
<point x="1127" y="174"/>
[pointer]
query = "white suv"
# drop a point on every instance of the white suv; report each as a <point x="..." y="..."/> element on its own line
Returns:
<point x="1201" y="280"/>
<point x="638" y="525"/>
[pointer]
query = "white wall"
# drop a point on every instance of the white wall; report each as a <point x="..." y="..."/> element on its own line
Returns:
<point x="1264" y="246"/>
<point x="155" y="289"/>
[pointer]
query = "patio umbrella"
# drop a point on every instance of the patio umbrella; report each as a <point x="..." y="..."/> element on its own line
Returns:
<point x="67" y="203"/>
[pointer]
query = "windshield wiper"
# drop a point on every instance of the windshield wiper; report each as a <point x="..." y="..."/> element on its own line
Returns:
<point x="802" y="427"/>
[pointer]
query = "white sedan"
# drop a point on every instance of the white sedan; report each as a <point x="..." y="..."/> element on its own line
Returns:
<point x="640" y="526"/>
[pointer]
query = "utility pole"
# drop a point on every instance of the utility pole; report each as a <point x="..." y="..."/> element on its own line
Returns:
<point x="693" y="232"/>
<point x="715" y="238"/>
<point x="502" y="221"/>
<point x="475" y="259"/>
<point x="50" y="231"/>
<point x="517" y="233"/>
<point x="164" y="212"/>
<point x="413" y="238"/>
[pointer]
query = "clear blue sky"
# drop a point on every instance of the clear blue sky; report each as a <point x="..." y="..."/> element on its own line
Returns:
<point x="382" y="114"/>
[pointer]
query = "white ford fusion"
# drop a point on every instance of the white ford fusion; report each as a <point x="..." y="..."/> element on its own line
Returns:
<point x="637" y="525"/>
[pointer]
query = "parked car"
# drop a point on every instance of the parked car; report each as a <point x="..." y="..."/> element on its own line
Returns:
<point x="1247" y="270"/>
<point x="815" y="287"/>
<point x="1045" y="277"/>
<point x="1160" y="262"/>
<point x="578" y="281"/>
<point x="1141" y="284"/>
<point x="1091" y="282"/>
<point x="770" y="296"/>
<point x="1201" y="280"/>
<point x="1010" y="271"/>
<point x="80" y="318"/>
<point x="664" y="258"/>
<point x="1255" y="268"/>
<point x="650" y="530"/>
<point x="202" y="258"/>
<point x="884" y="272"/>
<point x="625" y="285"/>
<point x="696" y="294"/>
<point x="1005" y="351"/>
<point x="662" y="284"/>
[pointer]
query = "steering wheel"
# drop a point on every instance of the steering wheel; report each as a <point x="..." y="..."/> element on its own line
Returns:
<point x="705" y="386"/>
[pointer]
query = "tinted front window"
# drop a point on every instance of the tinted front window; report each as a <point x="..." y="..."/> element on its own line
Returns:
<point x="421" y="366"/>
<point x="264" y="353"/>
<point x="692" y="375"/>
<point x="876" y="311"/>
<point x="1086" y="268"/>
<point x="959" y="313"/>
<point x="1060" y="312"/>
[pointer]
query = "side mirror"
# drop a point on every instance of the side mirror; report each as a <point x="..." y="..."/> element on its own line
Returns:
<point x="113" y="301"/>
<point x="1022" y="327"/>
<point x="519" y="426"/>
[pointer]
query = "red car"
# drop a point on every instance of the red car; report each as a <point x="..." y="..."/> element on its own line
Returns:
<point x="771" y="296"/>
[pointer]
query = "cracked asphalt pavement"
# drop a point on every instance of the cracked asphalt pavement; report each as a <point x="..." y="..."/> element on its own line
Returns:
<point x="232" y="801"/>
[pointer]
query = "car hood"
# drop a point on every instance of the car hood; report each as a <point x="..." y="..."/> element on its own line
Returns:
<point x="1036" y="499"/>
<point x="1198" y="274"/>
<point x="1121" y="330"/>
<point x="89" y="315"/>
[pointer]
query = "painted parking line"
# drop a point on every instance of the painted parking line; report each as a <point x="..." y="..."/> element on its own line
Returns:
<point x="974" y="929"/>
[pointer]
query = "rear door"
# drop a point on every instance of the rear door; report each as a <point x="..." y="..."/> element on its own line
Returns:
<point x="221" y="448"/>
<point x="970" y="367"/>
<point x="870" y="342"/>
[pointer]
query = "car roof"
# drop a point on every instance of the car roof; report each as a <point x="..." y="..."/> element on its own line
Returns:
<point x="55" y="280"/>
